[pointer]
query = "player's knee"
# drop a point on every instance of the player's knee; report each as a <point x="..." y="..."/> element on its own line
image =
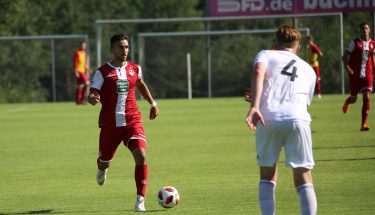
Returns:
<point x="268" y="173"/>
<point x="366" y="96"/>
<point x="140" y="161"/>
<point x="139" y="155"/>
<point x="302" y="176"/>
<point x="353" y="99"/>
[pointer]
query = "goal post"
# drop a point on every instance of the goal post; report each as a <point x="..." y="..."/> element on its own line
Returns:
<point x="208" y="21"/>
<point x="142" y="35"/>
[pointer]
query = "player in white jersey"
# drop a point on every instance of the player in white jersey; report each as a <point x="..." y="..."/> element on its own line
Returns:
<point x="282" y="89"/>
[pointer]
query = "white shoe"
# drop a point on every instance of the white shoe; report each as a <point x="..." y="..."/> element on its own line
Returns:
<point x="101" y="176"/>
<point x="319" y="96"/>
<point x="140" y="204"/>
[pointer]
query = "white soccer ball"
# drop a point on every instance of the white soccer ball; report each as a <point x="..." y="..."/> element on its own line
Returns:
<point x="168" y="197"/>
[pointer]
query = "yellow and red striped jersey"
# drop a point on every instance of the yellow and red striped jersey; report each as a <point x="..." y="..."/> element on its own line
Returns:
<point x="80" y="61"/>
<point x="312" y="54"/>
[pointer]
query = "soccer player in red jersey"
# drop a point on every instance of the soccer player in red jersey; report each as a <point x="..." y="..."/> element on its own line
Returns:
<point x="80" y="68"/>
<point x="358" y="60"/>
<point x="313" y="52"/>
<point x="114" y="86"/>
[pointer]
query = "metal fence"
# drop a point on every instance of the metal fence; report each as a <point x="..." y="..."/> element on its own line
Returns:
<point x="210" y="78"/>
<point x="38" y="63"/>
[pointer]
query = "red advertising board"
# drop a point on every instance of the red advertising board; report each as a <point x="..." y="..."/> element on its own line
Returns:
<point x="268" y="7"/>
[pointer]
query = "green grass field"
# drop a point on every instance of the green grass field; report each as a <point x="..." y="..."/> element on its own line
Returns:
<point x="202" y="147"/>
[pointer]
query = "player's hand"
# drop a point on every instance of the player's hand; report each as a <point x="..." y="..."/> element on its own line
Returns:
<point x="350" y="71"/>
<point x="154" y="111"/>
<point x="93" y="98"/>
<point x="253" y="117"/>
<point x="90" y="71"/>
<point x="247" y="95"/>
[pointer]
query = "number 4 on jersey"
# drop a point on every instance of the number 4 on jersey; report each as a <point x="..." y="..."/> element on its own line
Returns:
<point x="293" y="74"/>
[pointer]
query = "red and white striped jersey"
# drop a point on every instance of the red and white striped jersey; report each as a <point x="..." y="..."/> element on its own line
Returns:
<point x="361" y="57"/>
<point x="116" y="87"/>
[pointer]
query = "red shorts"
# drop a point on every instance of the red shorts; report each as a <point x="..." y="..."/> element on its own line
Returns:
<point x="358" y="85"/>
<point x="82" y="79"/>
<point x="317" y="72"/>
<point x="110" y="138"/>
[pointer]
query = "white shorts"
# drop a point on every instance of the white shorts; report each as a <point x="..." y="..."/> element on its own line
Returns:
<point x="294" y="136"/>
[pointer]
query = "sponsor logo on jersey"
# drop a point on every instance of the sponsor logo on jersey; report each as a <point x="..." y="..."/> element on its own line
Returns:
<point x="131" y="73"/>
<point x="122" y="86"/>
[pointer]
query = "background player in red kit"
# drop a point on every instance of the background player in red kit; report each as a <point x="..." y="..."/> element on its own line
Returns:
<point x="114" y="86"/>
<point x="313" y="52"/>
<point x="80" y="69"/>
<point x="358" y="60"/>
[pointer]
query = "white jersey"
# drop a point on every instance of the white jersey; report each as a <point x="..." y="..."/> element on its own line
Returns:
<point x="288" y="86"/>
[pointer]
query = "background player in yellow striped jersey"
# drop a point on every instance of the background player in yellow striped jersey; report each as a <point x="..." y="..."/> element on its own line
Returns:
<point x="80" y="69"/>
<point x="313" y="52"/>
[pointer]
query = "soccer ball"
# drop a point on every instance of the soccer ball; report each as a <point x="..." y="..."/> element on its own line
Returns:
<point x="168" y="197"/>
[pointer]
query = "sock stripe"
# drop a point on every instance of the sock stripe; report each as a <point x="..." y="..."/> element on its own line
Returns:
<point x="308" y="185"/>
<point x="267" y="182"/>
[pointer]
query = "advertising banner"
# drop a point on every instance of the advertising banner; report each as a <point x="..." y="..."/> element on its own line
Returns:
<point x="278" y="7"/>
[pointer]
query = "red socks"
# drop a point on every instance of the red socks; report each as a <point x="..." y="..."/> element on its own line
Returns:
<point x="78" y="96"/>
<point x="317" y="87"/>
<point x="365" y="110"/>
<point x="81" y="94"/>
<point x="141" y="179"/>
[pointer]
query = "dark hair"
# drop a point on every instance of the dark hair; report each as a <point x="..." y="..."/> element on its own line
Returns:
<point x="362" y="24"/>
<point x="118" y="37"/>
<point x="309" y="37"/>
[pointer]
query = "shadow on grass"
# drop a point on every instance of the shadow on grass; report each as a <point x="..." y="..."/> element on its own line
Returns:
<point x="343" y="147"/>
<point x="48" y="211"/>
<point x="345" y="159"/>
<point x="51" y="211"/>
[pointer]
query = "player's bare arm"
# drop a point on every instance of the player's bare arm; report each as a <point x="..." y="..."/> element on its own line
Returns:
<point x="89" y="70"/>
<point x="76" y="73"/>
<point x="345" y="60"/>
<point x="93" y="98"/>
<point x="254" y="114"/>
<point x="145" y="92"/>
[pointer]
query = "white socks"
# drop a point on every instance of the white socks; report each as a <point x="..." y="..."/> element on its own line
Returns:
<point x="306" y="194"/>
<point x="267" y="197"/>
<point x="307" y="199"/>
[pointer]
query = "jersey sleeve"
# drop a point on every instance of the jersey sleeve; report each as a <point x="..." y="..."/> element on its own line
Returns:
<point x="351" y="46"/>
<point x="140" y="75"/>
<point x="75" y="60"/>
<point x="97" y="81"/>
<point x="261" y="57"/>
<point x="315" y="49"/>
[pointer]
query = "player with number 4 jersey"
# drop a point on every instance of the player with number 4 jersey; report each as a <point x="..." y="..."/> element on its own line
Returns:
<point x="286" y="93"/>
<point x="282" y="88"/>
